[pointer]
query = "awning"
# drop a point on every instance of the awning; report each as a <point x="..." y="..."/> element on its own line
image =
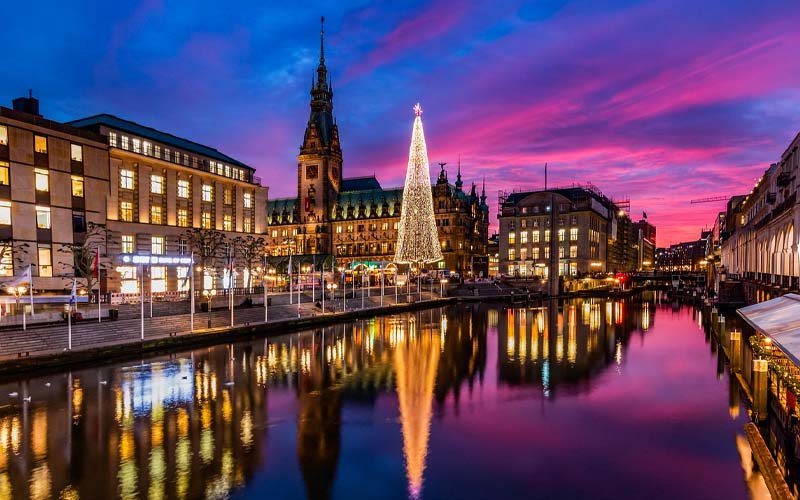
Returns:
<point x="778" y="319"/>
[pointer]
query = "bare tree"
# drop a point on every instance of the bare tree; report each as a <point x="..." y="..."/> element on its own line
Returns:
<point x="250" y="250"/>
<point x="208" y="246"/>
<point x="17" y="251"/>
<point x="85" y="250"/>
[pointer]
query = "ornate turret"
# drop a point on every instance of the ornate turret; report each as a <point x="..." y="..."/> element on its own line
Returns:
<point x="321" y="131"/>
<point x="459" y="183"/>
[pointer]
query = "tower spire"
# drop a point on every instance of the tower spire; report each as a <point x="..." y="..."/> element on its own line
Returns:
<point x="459" y="183"/>
<point x="322" y="40"/>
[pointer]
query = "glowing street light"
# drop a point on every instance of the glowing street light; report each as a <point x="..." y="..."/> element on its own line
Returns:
<point x="17" y="292"/>
<point x="209" y="294"/>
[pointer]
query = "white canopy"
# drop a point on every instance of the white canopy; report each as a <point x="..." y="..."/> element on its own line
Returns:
<point x="778" y="319"/>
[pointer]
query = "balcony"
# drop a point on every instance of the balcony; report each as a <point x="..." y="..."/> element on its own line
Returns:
<point x="771" y="197"/>
<point x="784" y="179"/>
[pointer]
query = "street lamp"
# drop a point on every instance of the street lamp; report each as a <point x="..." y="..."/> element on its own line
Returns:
<point x="332" y="289"/>
<point x="209" y="294"/>
<point x="17" y="292"/>
<point x="344" y="290"/>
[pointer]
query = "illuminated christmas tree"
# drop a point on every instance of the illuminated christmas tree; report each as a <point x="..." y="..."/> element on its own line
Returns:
<point x="417" y="238"/>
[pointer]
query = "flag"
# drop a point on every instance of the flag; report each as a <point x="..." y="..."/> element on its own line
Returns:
<point x="96" y="267"/>
<point x="644" y="215"/>
<point x="73" y="296"/>
<point x="24" y="278"/>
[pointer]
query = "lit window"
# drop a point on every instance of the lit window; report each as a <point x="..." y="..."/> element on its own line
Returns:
<point x="45" y="261"/>
<point x="127" y="243"/>
<point x="126" y="179"/>
<point x="5" y="213"/>
<point x="7" y="262"/>
<point x="77" y="186"/>
<point x="185" y="159"/>
<point x="157" y="151"/>
<point x="157" y="184"/>
<point x="126" y="211"/>
<point x="155" y="214"/>
<point x="546" y="252"/>
<point x="573" y="234"/>
<point x="183" y="278"/>
<point x="227" y="222"/>
<point x="3" y="135"/>
<point x="43" y="217"/>
<point x="4" y="174"/>
<point x="112" y="139"/>
<point x="561" y="233"/>
<point x="511" y="254"/>
<point x="227" y="196"/>
<point x="125" y="141"/>
<point x="183" y="246"/>
<point x="523" y="254"/>
<point x="205" y="222"/>
<point x="167" y="154"/>
<point x="40" y="144"/>
<point x="248" y="225"/>
<point x="573" y="251"/>
<point x="560" y="252"/>
<point x="183" y="189"/>
<point x="535" y="254"/>
<point x="137" y="145"/>
<point x="535" y="236"/>
<point x="128" y="279"/>
<point x="148" y="148"/>
<point x="158" y="279"/>
<point x="512" y="238"/>
<point x="546" y="235"/>
<point x="338" y="229"/>
<point x="207" y="192"/>
<point x="183" y="217"/>
<point x="42" y="180"/>
<point x="157" y="245"/>
<point x="349" y="228"/>
<point x="385" y="226"/>
<point x="274" y="233"/>
<point x="227" y="171"/>
<point x="523" y="237"/>
<point x="248" y="200"/>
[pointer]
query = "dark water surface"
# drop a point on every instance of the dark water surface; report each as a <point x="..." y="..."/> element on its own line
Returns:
<point x="593" y="399"/>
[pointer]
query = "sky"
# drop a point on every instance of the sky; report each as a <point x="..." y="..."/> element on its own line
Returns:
<point x="659" y="101"/>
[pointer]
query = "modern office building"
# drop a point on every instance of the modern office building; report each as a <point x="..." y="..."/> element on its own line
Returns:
<point x="53" y="178"/>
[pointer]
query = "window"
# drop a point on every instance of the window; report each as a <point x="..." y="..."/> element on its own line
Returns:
<point x="227" y="196"/>
<point x="511" y="254"/>
<point x="112" y="139"/>
<point x="205" y="222"/>
<point x="43" y="217"/>
<point x="157" y="151"/>
<point x="126" y="179"/>
<point x="78" y="222"/>
<point x="248" y="200"/>
<point x="157" y="184"/>
<point x="535" y="253"/>
<point x="183" y="278"/>
<point x="561" y="233"/>
<point x="207" y="192"/>
<point x="157" y="245"/>
<point x="339" y="229"/>
<point x="125" y="142"/>
<point x="7" y="262"/>
<point x="126" y="211"/>
<point x="5" y="178"/>
<point x="42" y="180"/>
<point x="148" y="148"/>
<point x="512" y="238"/>
<point x="248" y="225"/>
<point x="185" y="159"/>
<point x="523" y="254"/>
<point x="573" y="251"/>
<point x="385" y="226"/>
<point x="523" y="237"/>
<point x="137" y="145"/>
<point x="573" y="234"/>
<point x="547" y="235"/>
<point x="158" y="279"/>
<point x="535" y="236"/>
<point x="127" y="243"/>
<point x="227" y="222"/>
<point x="546" y="252"/>
<point x="5" y="213"/>
<point x="227" y="170"/>
<point x="3" y="135"/>
<point x="167" y="154"/>
<point x="45" y="261"/>
<point x="40" y="144"/>
<point x="77" y="186"/>
<point x="183" y="189"/>
<point x="183" y="246"/>
<point x="128" y="279"/>
<point x="155" y="214"/>
<point x="560" y="252"/>
<point x="183" y="217"/>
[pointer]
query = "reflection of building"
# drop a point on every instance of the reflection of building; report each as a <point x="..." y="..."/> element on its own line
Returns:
<point x="52" y="180"/>
<point x="161" y="185"/>
<point x="356" y="219"/>
<point x="591" y="234"/>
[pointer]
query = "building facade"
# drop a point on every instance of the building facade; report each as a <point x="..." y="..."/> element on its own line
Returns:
<point x="52" y="180"/>
<point x="579" y="227"/>
<point x="355" y="220"/>
<point x="759" y="242"/>
<point x="159" y="186"/>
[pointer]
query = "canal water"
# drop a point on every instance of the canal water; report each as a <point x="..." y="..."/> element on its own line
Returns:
<point x="590" y="399"/>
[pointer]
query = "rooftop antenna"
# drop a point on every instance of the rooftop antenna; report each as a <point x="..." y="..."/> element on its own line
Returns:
<point x="545" y="176"/>
<point x="30" y="93"/>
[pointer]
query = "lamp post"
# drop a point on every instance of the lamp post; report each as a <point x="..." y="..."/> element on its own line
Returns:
<point x="209" y="294"/>
<point x="18" y="291"/>
<point x="441" y="286"/>
<point x="332" y="289"/>
<point x="344" y="290"/>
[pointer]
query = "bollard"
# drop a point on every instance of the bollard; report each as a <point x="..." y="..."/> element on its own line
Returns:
<point x="713" y="316"/>
<point x="722" y="331"/>
<point x="760" y="374"/>
<point x="735" y="352"/>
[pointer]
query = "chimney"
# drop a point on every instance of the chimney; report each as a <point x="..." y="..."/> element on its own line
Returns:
<point x="28" y="104"/>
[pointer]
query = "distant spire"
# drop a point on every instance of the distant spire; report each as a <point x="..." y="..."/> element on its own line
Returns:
<point x="322" y="40"/>
<point x="458" y="176"/>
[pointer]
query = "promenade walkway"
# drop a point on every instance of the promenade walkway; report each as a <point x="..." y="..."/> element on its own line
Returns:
<point x="51" y="339"/>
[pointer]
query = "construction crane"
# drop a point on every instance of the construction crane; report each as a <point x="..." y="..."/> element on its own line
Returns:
<point x="710" y="199"/>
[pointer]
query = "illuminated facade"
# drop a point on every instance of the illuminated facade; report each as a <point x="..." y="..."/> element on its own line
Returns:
<point x="52" y="177"/>
<point x="161" y="185"/>
<point x="356" y="219"/>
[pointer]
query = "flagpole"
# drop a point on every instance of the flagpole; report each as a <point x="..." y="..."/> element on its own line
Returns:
<point x="141" y="301"/>
<point x="290" y="276"/>
<point x="266" y="300"/>
<point x="30" y="282"/>
<point x="322" y="284"/>
<point x="298" y="289"/>
<point x="150" y="272"/>
<point x="97" y="270"/>
<point x="69" y="325"/>
<point x="230" y="285"/>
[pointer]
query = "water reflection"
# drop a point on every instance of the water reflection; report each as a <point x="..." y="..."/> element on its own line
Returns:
<point x="213" y="422"/>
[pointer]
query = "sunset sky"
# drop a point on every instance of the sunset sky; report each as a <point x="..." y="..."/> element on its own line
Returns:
<point x="660" y="101"/>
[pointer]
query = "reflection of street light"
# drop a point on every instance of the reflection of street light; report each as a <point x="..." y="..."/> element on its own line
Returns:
<point x="209" y="294"/>
<point x="441" y="286"/>
<point x="17" y="291"/>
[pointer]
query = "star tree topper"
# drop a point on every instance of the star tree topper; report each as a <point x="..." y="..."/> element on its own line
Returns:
<point x="417" y="109"/>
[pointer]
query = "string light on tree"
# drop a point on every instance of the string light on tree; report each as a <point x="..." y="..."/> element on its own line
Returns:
<point x="417" y="237"/>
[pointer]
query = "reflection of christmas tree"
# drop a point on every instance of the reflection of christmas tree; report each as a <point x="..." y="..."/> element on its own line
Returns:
<point x="415" y="362"/>
<point x="417" y="238"/>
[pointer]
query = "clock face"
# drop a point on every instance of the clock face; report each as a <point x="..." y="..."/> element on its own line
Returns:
<point x="311" y="172"/>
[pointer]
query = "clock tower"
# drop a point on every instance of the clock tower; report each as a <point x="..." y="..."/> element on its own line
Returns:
<point x="319" y="164"/>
